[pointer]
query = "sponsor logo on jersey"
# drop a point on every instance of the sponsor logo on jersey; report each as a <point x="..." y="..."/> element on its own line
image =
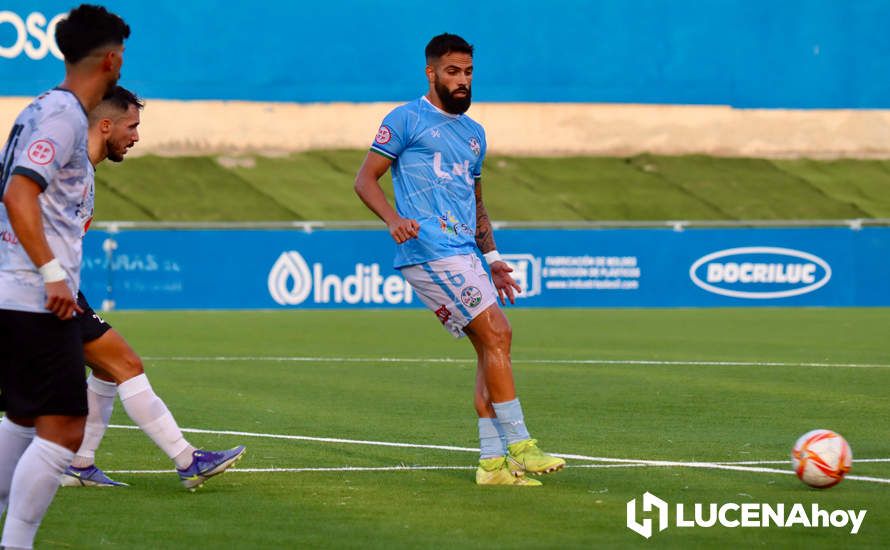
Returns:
<point x="760" y="272"/>
<point x="459" y="169"/>
<point x="452" y="226"/>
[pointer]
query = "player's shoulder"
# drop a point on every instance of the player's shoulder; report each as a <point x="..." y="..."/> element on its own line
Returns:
<point x="411" y="109"/>
<point x="58" y="103"/>
<point x="472" y="124"/>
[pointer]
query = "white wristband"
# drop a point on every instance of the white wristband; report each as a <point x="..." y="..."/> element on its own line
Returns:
<point x="492" y="257"/>
<point x="52" y="271"/>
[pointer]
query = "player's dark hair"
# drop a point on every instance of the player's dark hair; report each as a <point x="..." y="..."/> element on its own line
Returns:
<point x="121" y="98"/>
<point x="117" y="101"/>
<point x="86" y="28"/>
<point x="446" y="43"/>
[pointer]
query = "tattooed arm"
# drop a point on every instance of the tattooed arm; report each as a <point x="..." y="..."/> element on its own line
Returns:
<point x="484" y="233"/>
<point x="500" y="271"/>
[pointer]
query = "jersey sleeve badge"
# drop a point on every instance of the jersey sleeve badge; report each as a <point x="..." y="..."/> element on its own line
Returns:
<point x="41" y="152"/>
<point x="384" y="134"/>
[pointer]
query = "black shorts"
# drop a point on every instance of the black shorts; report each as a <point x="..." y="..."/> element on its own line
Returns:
<point x="91" y="325"/>
<point x="41" y="365"/>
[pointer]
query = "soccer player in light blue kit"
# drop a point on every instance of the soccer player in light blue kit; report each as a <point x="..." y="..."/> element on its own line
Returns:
<point x="436" y="152"/>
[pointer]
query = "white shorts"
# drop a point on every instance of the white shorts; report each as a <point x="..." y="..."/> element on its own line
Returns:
<point x="456" y="289"/>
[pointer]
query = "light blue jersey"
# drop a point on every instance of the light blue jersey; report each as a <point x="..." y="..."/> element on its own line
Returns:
<point x="437" y="158"/>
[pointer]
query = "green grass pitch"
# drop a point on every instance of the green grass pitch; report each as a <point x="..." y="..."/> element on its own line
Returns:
<point x="674" y="385"/>
<point x="317" y="185"/>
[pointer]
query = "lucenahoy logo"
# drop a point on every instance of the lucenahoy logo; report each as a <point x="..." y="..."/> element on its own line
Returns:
<point x="760" y="272"/>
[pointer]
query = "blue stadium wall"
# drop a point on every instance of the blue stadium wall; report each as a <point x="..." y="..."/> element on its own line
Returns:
<point x="744" y="53"/>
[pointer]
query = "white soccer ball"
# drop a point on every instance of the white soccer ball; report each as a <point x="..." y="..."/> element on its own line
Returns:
<point x="821" y="458"/>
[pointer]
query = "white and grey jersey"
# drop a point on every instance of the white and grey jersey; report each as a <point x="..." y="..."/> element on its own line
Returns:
<point x="48" y="144"/>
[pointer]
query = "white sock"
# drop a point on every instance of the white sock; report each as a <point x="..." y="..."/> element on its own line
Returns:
<point x="152" y="416"/>
<point x="100" y="397"/>
<point x="34" y="485"/>
<point x="14" y="439"/>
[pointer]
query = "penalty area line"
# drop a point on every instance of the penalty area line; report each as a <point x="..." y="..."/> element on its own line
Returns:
<point x="415" y="360"/>
<point x="644" y="462"/>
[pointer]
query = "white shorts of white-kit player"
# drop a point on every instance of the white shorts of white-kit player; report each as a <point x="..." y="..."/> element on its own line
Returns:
<point x="456" y="289"/>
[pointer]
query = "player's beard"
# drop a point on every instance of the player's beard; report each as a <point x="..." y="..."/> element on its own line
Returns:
<point x="113" y="154"/>
<point x="451" y="104"/>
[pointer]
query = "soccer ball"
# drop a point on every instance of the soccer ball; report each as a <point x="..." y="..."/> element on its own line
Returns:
<point x="821" y="458"/>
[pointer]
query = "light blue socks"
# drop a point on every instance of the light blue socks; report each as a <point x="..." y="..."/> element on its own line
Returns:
<point x="512" y="423"/>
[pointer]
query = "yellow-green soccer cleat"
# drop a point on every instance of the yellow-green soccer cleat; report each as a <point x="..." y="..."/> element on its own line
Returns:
<point x="494" y="471"/>
<point x="525" y="457"/>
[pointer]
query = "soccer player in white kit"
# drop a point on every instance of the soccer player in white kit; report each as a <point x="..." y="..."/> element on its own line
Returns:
<point x="436" y="153"/>
<point x="116" y="368"/>
<point x="46" y="182"/>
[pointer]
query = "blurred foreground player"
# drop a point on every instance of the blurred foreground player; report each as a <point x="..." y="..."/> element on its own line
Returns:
<point x="46" y="183"/>
<point x="117" y="370"/>
<point x="436" y="154"/>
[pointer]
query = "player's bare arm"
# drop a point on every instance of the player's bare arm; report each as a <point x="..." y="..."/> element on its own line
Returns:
<point x="23" y="207"/>
<point x="367" y="187"/>
<point x="484" y="233"/>
<point x="500" y="271"/>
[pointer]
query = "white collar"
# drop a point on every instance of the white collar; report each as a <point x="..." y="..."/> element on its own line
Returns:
<point x="446" y="113"/>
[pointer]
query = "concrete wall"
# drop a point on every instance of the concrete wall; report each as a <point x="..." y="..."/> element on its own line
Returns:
<point x="196" y="127"/>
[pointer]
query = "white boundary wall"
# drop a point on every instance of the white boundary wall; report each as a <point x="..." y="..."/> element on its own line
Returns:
<point x="198" y="127"/>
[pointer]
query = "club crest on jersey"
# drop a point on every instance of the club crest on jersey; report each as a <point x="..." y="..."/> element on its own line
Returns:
<point x="41" y="152"/>
<point x="471" y="296"/>
<point x="475" y="147"/>
<point x="384" y="134"/>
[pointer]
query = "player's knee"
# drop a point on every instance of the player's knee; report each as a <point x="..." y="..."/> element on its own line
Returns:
<point x="72" y="440"/>
<point x="132" y="364"/>
<point x="500" y="337"/>
<point x="65" y="431"/>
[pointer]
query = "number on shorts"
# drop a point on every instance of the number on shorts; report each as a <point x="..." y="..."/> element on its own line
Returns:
<point x="456" y="279"/>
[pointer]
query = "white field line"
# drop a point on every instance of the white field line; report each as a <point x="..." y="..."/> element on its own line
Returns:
<point x="356" y="469"/>
<point x="638" y="362"/>
<point x="644" y="462"/>
<point x="318" y="439"/>
<point x="753" y="462"/>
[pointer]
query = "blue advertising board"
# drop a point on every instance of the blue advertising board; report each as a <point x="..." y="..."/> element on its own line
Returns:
<point x="273" y="269"/>
<point x="745" y="53"/>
